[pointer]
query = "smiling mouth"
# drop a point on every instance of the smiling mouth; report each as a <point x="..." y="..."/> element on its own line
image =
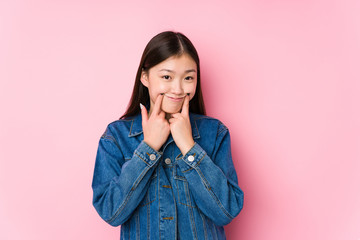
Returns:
<point x="175" y="99"/>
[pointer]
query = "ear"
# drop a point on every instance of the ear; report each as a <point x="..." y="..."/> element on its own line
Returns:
<point x="144" y="79"/>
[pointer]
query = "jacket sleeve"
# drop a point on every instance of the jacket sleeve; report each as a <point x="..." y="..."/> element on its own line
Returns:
<point x="212" y="179"/>
<point x="119" y="185"/>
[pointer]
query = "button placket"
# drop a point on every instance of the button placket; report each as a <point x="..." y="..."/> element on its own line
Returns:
<point x="167" y="211"/>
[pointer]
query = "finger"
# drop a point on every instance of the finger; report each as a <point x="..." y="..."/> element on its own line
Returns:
<point x="185" y="106"/>
<point x="175" y="115"/>
<point x="171" y="120"/>
<point x="144" y="114"/>
<point x="157" y="105"/>
<point x="162" y="114"/>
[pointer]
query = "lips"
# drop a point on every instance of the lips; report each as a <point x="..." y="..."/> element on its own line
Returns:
<point x="175" y="99"/>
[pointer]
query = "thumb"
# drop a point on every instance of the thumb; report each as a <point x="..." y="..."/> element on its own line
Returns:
<point x="144" y="114"/>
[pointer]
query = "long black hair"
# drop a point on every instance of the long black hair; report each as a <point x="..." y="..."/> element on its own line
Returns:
<point x="161" y="47"/>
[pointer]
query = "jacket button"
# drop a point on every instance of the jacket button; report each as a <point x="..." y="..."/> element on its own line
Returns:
<point x="168" y="161"/>
<point x="152" y="157"/>
<point x="191" y="158"/>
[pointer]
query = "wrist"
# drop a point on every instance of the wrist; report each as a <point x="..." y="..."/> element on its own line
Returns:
<point x="185" y="149"/>
<point x="156" y="148"/>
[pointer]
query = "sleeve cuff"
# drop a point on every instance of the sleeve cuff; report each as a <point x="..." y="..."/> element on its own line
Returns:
<point x="192" y="158"/>
<point x="147" y="154"/>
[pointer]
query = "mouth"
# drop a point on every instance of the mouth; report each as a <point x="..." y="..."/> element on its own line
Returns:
<point x="175" y="99"/>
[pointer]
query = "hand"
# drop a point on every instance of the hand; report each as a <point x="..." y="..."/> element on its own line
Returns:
<point x="180" y="128"/>
<point x="155" y="128"/>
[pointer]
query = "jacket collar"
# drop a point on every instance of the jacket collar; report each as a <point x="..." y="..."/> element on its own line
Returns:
<point x="136" y="126"/>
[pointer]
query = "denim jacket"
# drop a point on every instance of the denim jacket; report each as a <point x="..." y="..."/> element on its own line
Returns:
<point x="163" y="194"/>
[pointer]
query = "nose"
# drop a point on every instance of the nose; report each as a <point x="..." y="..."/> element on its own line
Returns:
<point x="177" y="88"/>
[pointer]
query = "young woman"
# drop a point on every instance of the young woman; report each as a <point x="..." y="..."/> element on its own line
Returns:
<point x="164" y="170"/>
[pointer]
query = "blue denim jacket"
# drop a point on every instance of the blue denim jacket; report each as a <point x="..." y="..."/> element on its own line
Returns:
<point x="163" y="194"/>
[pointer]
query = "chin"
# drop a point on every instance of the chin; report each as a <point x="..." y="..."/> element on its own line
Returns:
<point x="171" y="109"/>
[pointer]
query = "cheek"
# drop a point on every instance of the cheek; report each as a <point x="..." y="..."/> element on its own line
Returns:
<point x="191" y="89"/>
<point x="156" y="89"/>
<point x="162" y="88"/>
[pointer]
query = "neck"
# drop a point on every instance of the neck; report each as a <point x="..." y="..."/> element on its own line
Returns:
<point x="167" y="116"/>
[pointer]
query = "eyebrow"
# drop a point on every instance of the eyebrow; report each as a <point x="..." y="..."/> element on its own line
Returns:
<point x="168" y="70"/>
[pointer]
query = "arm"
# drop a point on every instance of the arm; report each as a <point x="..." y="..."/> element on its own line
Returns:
<point x="213" y="181"/>
<point x="119" y="186"/>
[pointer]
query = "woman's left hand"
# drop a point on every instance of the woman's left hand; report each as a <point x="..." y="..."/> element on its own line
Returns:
<point x="180" y="128"/>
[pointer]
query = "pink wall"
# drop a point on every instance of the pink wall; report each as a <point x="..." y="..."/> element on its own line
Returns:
<point x="283" y="75"/>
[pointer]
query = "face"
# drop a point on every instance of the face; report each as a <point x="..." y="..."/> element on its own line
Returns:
<point x="175" y="77"/>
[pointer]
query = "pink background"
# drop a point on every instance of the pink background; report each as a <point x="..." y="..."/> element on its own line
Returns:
<point x="282" y="75"/>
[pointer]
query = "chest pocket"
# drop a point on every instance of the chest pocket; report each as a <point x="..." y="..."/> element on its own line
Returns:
<point x="151" y="193"/>
<point x="182" y="188"/>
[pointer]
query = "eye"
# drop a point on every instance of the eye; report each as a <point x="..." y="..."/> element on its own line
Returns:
<point x="189" y="78"/>
<point x="167" y="77"/>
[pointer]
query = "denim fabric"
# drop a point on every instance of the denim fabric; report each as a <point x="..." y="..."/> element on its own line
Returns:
<point x="163" y="194"/>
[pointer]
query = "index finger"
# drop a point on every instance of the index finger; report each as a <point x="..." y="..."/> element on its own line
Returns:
<point x="144" y="114"/>
<point x="157" y="105"/>
<point x="185" y="106"/>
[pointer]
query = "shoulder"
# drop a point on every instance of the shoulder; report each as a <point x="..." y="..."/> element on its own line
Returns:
<point x="203" y="122"/>
<point x="119" y="127"/>
<point x="121" y="122"/>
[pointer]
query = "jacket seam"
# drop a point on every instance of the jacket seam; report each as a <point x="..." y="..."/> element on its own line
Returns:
<point x="121" y="207"/>
<point x="111" y="139"/>
<point x="191" y="212"/>
<point x="221" y="130"/>
<point x="187" y="205"/>
<point x="137" y="225"/>
<point x="214" y="196"/>
<point x="204" y="224"/>
<point x="145" y="204"/>
<point x="142" y="159"/>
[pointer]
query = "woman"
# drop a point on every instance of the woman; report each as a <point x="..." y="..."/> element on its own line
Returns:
<point x="164" y="170"/>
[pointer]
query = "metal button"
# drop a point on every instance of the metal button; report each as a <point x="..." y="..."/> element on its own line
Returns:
<point x="191" y="158"/>
<point x="168" y="161"/>
<point x="152" y="157"/>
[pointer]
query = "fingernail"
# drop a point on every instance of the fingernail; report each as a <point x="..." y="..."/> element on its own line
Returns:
<point x="141" y="106"/>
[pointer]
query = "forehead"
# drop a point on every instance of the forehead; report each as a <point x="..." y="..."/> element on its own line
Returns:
<point x="180" y="63"/>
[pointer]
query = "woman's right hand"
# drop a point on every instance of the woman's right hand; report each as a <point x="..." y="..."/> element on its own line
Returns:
<point x="156" y="128"/>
